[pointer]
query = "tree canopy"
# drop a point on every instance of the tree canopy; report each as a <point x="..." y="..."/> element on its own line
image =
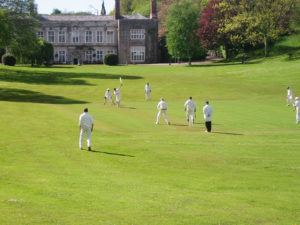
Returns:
<point x="237" y="24"/>
<point x="182" y="28"/>
<point x="18" y="32"/>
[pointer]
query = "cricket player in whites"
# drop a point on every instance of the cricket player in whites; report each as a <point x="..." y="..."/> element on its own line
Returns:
<point x="297" y="108"/>
<point x="118" y="94"/>
<point x="207" y="113"/>
<point x="108" y="95"/>
<point x="86" y="126"/>
<point x="148" y="91"/>
<point x="162" y="109"/>
<point x="289" y="97"/>
<point x="190" y="108"/>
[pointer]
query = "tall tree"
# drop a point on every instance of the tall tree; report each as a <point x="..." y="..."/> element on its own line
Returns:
<point x="255" y="22"/>
<point x="209" y="25"/>
<point x="272" y="19"/>
<point x="5" y="29"/>
<point x="22" y="20"/>
<point x="212" y="23"/>
<point x="182" y="28"/>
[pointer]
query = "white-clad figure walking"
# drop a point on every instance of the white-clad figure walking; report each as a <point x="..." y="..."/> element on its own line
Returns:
<point x="190" y="108"/>
<point x="118" y="95"/>
<point x="108" y="96"/>
<point x="207" y="113"/>
<point x="162" y="107"/>
<point x="148" y="91"/>
<point x="289" y="97"/>
<point x="297" y="108"/>
<point x="86" y="126"/>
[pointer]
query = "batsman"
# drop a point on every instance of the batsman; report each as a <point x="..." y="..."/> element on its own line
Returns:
<point x="117" y="93"/>
<point x="190" y="108"/>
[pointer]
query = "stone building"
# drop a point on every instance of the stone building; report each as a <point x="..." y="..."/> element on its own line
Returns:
<point x="87" y="38"/>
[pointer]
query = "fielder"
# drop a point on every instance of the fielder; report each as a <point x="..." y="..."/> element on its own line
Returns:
<point x="162" y="109"/>
<point x="86" y="126"/>
<point x="289" y="97"/>
<point x="297" y="108"/>
<point x="190" y="108"/>
<point x="207" y="113"/>
<point x="118" y="95"/>
<point x="108" y="96"/>
<point x="148" y="91"/>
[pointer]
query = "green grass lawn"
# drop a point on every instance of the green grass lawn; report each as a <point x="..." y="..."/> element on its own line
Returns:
<point x="246" y="172"/>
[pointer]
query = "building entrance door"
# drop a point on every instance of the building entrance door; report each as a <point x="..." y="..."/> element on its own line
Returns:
<point x="75" y="61"/>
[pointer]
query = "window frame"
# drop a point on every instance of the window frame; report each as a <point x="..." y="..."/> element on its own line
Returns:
<point x="89" y="53"/>
<point x="64" y="56"/>
<point x="100" y="56"/>
<point x="40" y="34"/>
<point x="75" y="36"/>
<point x="53" y="36"/>
<point x="137" y="34"/>
<point x="98" y="39"/>
<point x="112" y="39"/>
<point x="90" y="40"/>
<point x="61" y="36"/>
<point x="138" y="54"/>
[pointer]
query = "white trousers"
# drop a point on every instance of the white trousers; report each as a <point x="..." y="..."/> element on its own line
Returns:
<point x="110" y="99"/>
<point x="289" y="100"/>
<point x="164" y="112"/>
<point x="190" y="117"/>
<point x="83" y="131"/>
<point x="148" y="95"/>
<point x="298" y="117"/>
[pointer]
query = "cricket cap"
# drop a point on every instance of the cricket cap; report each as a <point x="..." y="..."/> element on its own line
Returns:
<point x="107" y="89"/>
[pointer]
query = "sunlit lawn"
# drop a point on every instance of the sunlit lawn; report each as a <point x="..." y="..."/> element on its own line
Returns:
<point x="245" y="172"/>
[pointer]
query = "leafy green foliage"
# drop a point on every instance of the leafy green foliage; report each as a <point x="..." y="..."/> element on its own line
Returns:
<point x="111" y="59"/>
<point x="5" y="28"/>
<point x="255" y="22"/>
<point x="56" y="12"/>
<point x="182" y="27"/>
<point x="8" y="60"/>
<point x="21" y="17"/>
<point x="46" y="53"/>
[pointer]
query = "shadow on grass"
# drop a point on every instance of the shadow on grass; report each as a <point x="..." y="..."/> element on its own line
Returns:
<point x="21" y="95"/>
<point x="216" y="132"/>
<point x="55" y="77"/>
<point x="178" y="125"/>
<point x="110" y="153"/>
<point x="230" y="62"/>
<point x="204" y="123"/>
<point x="127" y="107"/>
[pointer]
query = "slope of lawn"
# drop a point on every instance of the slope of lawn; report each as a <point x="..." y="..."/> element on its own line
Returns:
<point x="245" y="172"/>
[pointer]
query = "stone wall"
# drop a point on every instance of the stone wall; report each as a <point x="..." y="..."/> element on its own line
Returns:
<point x="150" y="42"/>
<point x="77" y="50"/>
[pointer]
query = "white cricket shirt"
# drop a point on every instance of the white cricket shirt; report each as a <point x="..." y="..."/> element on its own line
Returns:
<point x="86" y="120"/>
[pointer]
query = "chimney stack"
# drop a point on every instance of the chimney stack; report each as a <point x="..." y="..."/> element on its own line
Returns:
<point x="117" y="9"/>
<point x="153" y="13"/>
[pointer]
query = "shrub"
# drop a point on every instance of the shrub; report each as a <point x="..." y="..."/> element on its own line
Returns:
<point x="8" y="60"/>
<point x="111" y="59"/>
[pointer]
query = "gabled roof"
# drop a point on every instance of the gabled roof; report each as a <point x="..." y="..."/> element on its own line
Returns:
<point x="82" y="18"/>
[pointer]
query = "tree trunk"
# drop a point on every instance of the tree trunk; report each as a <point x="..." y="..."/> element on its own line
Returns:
<point x="190" y="61"/>
<point x="266" y="46"/>
<point x="226" y="51"/>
